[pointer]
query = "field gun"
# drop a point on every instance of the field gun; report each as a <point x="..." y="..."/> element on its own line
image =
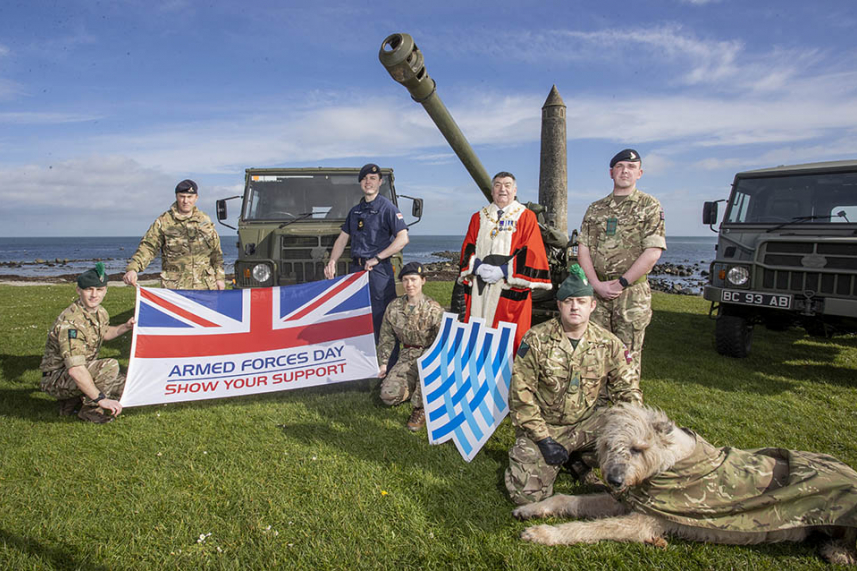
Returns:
<point x="404" y="61"/>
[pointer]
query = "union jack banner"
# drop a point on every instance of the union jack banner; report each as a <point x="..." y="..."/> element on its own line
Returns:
<point x="465" y="378"/>
<point x="193" y="345"/>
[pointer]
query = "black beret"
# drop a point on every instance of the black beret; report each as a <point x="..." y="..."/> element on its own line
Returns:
<point x="368" y="169"/>
<point x="412" y="268"/>
<point x="95" y="277"/>
<point x="187" y="186"/>
<point x="629" y="155"/>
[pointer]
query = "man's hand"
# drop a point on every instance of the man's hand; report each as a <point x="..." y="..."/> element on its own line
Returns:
<point x="382" y="371"/>
<point x="554" y="453"/>
<point x="111" y="406"/>
<point x="608" y="290"/>
<point x="221" y="285"/>
<point x="330" y="270"/>
<point x="491" y="274"/>
<point x="130" y="278"/>
<point x="371" y="263"/>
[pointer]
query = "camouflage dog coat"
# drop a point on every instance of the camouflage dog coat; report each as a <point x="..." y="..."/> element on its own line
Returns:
<point x="750" y="490"/>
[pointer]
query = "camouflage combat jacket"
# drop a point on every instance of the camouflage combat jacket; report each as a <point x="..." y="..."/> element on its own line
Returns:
<point x="553" y="383"/>
<point x="416" y="328"/>
<point x="190" y="250"/>
<point x="750" y="490"/>
<point x="75" y="337"/>
<point x="616" y="233"/>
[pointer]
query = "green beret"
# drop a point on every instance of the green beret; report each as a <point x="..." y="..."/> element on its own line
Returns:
<point x="95" y="277"/>
<point x="575" y="285"/>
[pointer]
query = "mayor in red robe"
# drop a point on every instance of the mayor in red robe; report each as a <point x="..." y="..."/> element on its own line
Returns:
<point x="502" y="259"/>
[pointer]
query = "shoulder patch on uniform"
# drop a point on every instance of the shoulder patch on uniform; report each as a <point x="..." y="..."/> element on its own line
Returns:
<point x="628" y="358"/>
<point x="662" y="213"/>
<point x="399" y="216"/>
<point x="72" y="333"/>
<point x="522" y="349"/>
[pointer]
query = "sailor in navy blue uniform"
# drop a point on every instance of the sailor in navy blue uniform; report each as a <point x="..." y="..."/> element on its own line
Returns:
<point x="377" y="231"/>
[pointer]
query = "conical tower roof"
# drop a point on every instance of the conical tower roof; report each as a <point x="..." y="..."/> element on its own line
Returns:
<point x="554" y="99"/>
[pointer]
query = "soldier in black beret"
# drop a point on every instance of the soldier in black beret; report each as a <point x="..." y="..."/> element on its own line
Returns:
<point x="71" y="370"/>
<point x="188" y="243"/>
<point x="621" y="239"/>
<point x="413" y="321"/>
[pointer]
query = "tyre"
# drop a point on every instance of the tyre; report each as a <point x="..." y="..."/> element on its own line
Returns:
<point x="733" y="335"/>
<point x="816" y="328"/>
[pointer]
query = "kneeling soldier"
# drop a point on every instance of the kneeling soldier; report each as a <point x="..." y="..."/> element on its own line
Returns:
<point x="565" y="372"/>
<point x="414" y="320"/>
<point x="71" y="371"/>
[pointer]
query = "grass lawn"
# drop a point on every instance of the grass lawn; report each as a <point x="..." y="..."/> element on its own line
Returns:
<point x="329" y="478"/>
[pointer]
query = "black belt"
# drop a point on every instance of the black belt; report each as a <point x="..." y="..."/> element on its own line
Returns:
<point x="362" y="261"/>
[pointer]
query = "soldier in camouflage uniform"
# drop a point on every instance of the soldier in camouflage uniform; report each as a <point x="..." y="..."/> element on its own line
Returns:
<point x="414" y="320"/>
<point x="621" y="239"/>
<point x="566" y="372"/>
<point x="70" y="368"/>
<point x="188" y="243"/>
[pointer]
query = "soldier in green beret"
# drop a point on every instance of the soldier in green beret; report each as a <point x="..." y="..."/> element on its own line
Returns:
<point x="414" y="320"/>
<point x="621" y="239"/>
<point x="71" y="371"/>
<point x="188" y="243"/>
<point x="566" y="372"/>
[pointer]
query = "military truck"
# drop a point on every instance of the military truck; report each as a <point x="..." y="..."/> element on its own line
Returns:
<point x="404" y="62"/>
<point x="786" y="253"/>
<point x="290" y="218"/>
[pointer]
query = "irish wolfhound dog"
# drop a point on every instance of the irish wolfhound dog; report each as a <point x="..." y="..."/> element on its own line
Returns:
<point x="669" y="481"/>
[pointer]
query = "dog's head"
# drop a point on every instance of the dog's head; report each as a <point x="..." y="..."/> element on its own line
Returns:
<point x="635" y="443"/>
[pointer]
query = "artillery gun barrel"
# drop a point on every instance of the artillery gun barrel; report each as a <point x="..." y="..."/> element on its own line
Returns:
<point x="404" y="61"/>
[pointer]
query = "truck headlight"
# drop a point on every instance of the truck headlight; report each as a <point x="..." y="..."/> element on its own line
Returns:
<point x="738" y="275"/>
<point x="261" y="273"/>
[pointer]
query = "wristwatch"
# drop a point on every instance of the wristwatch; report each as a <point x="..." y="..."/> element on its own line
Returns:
<point x="100" y="397"/>
<point x="623" y="282"/>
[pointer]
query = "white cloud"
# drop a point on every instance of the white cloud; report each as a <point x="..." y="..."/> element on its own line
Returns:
<point x="44" y="118"/>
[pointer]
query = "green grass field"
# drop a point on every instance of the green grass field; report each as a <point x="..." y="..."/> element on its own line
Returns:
<point x="329" y="478"/>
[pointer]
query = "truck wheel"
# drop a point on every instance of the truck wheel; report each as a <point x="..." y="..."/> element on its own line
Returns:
<point x="458" y="304"/>
<point x="819" y="329"/>
<point x="733" y="335"/>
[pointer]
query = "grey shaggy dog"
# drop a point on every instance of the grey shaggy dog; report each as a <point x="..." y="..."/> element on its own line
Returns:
<point x="636" y="444"/>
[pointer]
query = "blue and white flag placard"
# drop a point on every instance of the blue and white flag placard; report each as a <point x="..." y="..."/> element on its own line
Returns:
<point x="465" y="378"/>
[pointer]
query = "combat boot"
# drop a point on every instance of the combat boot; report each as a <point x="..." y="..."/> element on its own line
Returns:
<point x="417" y="420"/>
<point x="94" y="414"/>
<point x="68" y="407"/>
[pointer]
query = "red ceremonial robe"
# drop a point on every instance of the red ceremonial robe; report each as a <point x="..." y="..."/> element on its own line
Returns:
<point x="515" y="236"/>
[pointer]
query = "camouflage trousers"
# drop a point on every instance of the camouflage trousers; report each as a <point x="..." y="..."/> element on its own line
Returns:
<point x="627" y="317"/>
<point x="105" y="375"/>
<point x="403" y="380"/>
<point x="200" y="277"/>
<point x="529" y="478"/>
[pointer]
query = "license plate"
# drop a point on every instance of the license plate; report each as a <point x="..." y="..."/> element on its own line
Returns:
<point x="753" y="298"/>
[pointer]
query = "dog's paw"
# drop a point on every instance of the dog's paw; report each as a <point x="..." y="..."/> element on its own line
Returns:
<point x="528" y="511"/>
<point x="544" y="534"/>
<point x="659" y="542"/>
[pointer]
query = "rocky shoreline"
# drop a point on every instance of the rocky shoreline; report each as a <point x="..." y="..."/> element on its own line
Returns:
<point x="681" y="279"/>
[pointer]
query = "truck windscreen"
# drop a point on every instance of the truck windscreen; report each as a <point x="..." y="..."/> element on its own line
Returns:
<point x="828" y="198"/>
<point x="308" y="196"/>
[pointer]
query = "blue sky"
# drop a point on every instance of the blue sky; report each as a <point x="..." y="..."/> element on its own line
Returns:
<point x="105" y="106"/>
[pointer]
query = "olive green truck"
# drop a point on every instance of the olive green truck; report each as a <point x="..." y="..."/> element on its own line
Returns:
<point x="786" y="253"/>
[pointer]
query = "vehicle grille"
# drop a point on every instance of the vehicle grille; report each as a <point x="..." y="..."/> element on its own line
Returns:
<point x="298" y="264"/>
<point x="785" y="267"/>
